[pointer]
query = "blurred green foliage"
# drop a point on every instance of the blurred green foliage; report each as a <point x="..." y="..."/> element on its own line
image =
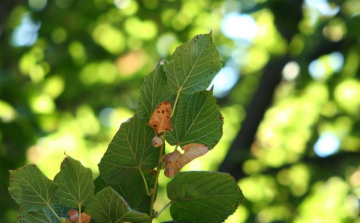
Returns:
<point x="71" y="71"/>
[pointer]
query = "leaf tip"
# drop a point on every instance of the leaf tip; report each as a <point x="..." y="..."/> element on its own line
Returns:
<point x="212" y="88"/>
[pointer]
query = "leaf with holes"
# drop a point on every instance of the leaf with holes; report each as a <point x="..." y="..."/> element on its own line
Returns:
<point x="76" y="186"/>
<point x="31" y="188"/>
<point x="110" y="207"/>
<point x="203" y="197"/>
<point x="130" y="151"/>
<point x="160" y="119"/>
<point x="194" y="64"/>
<point x="154" y="91"/>
<point x="175" y="161"/>
<point x="197" y="119"/>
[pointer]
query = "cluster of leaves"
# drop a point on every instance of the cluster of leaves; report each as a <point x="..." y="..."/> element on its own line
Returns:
<point x="126" y="189"/>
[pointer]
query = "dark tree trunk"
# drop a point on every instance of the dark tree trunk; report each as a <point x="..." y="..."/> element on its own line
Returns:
<point x="288" y="14"/>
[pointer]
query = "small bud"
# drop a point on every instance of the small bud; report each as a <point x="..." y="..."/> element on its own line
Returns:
<point x="157" y="141"/>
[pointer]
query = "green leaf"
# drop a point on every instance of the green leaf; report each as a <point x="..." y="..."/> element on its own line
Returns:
<point x="197" y="119"/>
<point x="208" y="197"/>
<point x="154" y="91"/>
<point x="132" y="189"/>
<point x="110" y="207"/>
<point x="76" y="186"/>
<point x="100" y="184"/>
<point x="44" y="215"/>
<point x="130" y="151"/>
<point x="194" y="64"/>
<point x="31" y="188"/>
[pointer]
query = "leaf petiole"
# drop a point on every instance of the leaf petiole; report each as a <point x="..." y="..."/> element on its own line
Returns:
<point x="79" y="214"/>
<point x="57" y="216"/>
<point x="158" y="170"/>
<point x="167" y="205"/>
<point x="176" y="100"/>
<point x="145" y="182"/>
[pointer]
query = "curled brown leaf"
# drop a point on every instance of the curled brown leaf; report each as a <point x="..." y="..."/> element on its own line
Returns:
<point x="175" y="161"/>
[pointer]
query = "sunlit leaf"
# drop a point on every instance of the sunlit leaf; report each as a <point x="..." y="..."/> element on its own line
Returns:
<point x="110" y="207"/>
<point x="130" y="150"/>
<point x="31" y="188"/>
<point x="44" y="215"/>
<point x="175" y="161"/>
<point x="154" y="91"/>
<point x="208" y="197"/>
<point x="76" y="187"/>
<point x="194" y="64"/>
<point x="197" y="119"/>
<point x="160" y="119"/>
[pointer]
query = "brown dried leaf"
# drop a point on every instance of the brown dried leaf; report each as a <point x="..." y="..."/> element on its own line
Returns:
<point x="175" y="161"/>
<point x="160" y="120"/>
<point x="74" y="216"/>
<point x="85" y="218"/>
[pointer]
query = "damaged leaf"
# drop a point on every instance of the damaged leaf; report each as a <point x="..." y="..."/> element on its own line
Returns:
<point x="160" y="120"/>
<point x="175" y="161"/>
<point x="31" y="188"/>
<point x="154" y="91"/>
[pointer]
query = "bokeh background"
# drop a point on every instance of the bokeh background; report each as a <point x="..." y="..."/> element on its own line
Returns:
<point x="71" y="72"/>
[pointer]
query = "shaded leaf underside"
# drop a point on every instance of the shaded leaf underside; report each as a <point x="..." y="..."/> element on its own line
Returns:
<point x="130" y="150"/>
<point x="132" y="189"/>
<point x="110" y="207"/>
<point x="45" y="215"/>
<point x="197" y="119"/>
<point x="208" y="197"/>
<point x="76" y="186"/>
<point x="31" y="188"/>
